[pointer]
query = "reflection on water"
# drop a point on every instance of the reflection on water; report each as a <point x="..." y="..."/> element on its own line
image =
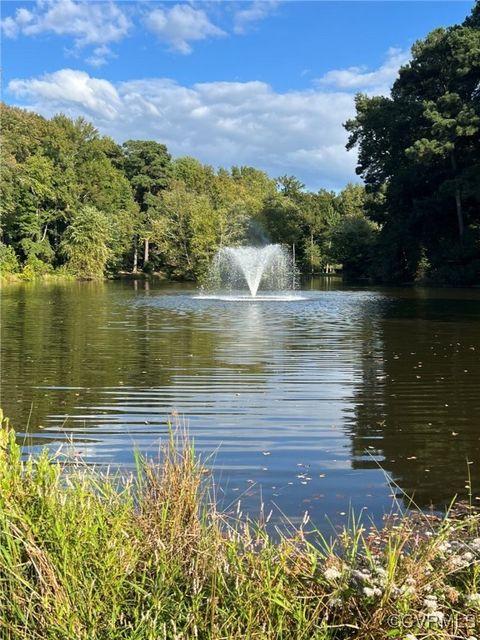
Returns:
<point x="302" y="402"/>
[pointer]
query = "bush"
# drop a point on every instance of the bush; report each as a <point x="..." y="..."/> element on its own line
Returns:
<point x="454" y="263"/>
<point x="353" y="243"/>
<point x="85" y="243"/>
<point x="8" y="260"/>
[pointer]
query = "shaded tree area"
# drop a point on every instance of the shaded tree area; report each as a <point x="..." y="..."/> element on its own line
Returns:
<point x="419" y="155"/>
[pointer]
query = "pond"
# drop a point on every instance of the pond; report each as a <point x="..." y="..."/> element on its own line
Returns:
<point x="344" y="397"/>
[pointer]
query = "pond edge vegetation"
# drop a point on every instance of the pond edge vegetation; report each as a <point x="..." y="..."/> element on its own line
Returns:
<point x="86" y="554"/>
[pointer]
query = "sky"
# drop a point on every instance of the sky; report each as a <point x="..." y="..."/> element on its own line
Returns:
<point x="261" y="83"/>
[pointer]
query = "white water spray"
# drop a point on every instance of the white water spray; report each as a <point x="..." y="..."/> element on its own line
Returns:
<point x="235" y="268"/>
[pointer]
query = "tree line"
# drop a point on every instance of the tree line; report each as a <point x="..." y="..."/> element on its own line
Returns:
<point x="75" y="201"/>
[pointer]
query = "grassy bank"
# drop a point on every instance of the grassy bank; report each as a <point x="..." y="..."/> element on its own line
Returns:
<point x="62" y="275"/>
<point x="85" y="555"/>
<point x="55" y="276"/>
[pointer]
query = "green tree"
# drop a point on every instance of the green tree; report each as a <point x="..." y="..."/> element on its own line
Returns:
<point x="8" y="260"/>
<point x="353" y="244"/>
<point x="106" y="188"/>
<point x="188" y="229"/>
<point x="419" y="153"/>
<point x="351" y="200"/>
<point x="197" y="177"/>
<point x="147" y="165"/>
<point x="34" y="207"/>
<point x="282" y="219"/>
<point x="290" y="186"/>
<point x="51" y="169"/>
<point x="85" y="243"/>
<point x="319" y="214"/>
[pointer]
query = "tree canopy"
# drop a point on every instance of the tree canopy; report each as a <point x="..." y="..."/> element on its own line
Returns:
<point x="74" y="199"/>
<point x="419" y="154"/>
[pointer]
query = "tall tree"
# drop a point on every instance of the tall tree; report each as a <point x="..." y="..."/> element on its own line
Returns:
<point x="147" y="165"/>
<point x="290" y="186"/>
<point x="85" y="243"/>
<point x="419" y="153"/>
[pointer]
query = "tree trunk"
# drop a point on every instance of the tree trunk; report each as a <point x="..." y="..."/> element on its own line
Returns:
<point x="294" y="266"/>
<point x="311" y="252"/>
<point x="146" y="251"/>
<point x="135" y="255"/>
<point x="458" y="199"/>
<point x="458" y="202"/>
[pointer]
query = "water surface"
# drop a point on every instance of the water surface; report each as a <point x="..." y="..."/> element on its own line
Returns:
<point x="344" y="397"/>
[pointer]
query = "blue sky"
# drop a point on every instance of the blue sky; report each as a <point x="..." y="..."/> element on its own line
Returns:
<point x="261" y="83"/>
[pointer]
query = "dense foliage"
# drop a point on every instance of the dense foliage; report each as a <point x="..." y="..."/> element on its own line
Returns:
<point x="76" y="201"/>
<point x="64" y="197"/>
<point x="419" y="154"/>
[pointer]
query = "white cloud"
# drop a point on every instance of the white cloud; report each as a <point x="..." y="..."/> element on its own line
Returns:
<point x="89" y="23"/>
<point x="70" y="90"/>
<point x="258" y="10"/>
<point x="97" y="23"/>
<point x="100" y="56"/>
<point x="9" y="27"/>
<point x="181" y="25"/>
<point x="221" y="123"/>
<point x="375" y="82"/>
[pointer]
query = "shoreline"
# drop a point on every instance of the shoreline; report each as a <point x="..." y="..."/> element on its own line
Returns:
<point x="7" y="279"/>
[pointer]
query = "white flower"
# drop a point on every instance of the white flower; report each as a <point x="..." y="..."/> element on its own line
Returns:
<point x="369" y="592"/>
<point x="381" y="576"/>
<point x="332" y="574"/>
<point x="468" y="556"/>
<point x="410" y="636"/>
<point x="457" y="562"/>
<point x="430" y="603"/>
<point x="474" y="599"/>
<point x="361" y="575"/>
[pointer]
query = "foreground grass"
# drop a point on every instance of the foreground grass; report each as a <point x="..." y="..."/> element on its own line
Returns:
<point x="85" y="555"/>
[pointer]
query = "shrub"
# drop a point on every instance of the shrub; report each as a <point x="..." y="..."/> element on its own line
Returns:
<point x="8" y="259"/>
<point x="85" y="243"/>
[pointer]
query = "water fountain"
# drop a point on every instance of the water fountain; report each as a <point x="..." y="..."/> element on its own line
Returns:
<point x="236" y="269"/>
